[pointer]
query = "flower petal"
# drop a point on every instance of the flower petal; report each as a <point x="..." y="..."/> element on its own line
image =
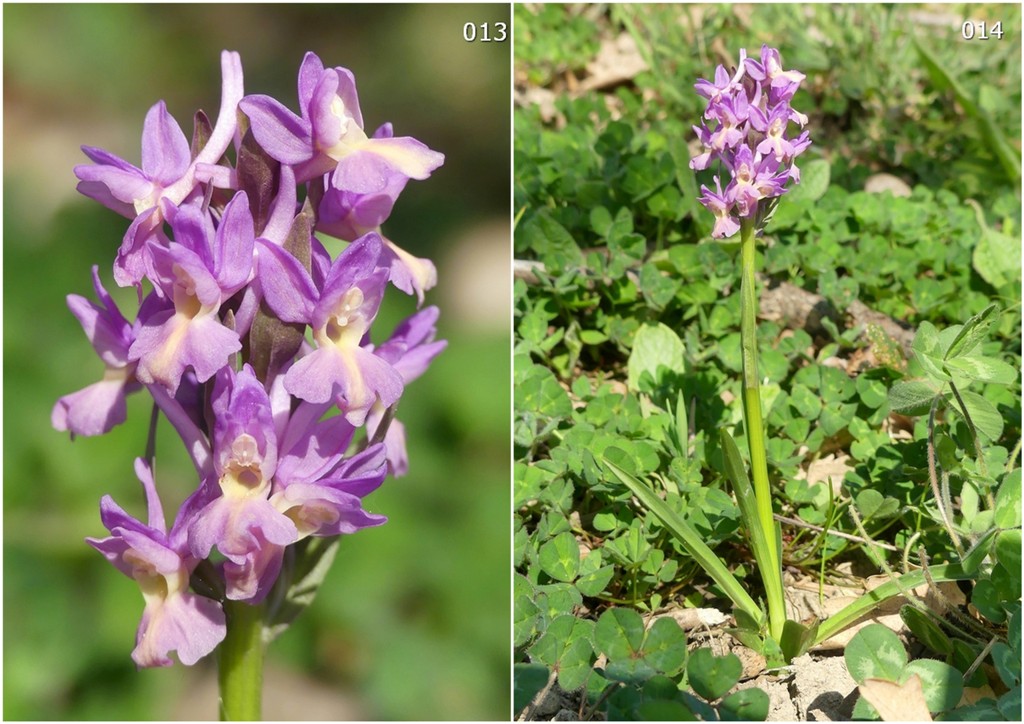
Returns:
<point x="165" y="150"/>
<point x="283" y="135"/>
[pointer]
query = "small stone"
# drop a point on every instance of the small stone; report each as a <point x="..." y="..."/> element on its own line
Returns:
<point x="881" y="182"/>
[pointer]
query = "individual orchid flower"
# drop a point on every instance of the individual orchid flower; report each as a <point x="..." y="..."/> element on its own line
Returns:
<point x="196" y="274"/>
<point x="348" y="215"/>
<point x="724" y="85"/>
<point x="783" y="83"/>
<point x="173" y="619"/>
<point x="717" y="203"/>
<point x="410" y="350"/>
<point x="773" y="125"/>
<point x="316" y="484"/>
<point x="329" y="135"/>
<point x="247" y="530"/>
<point x="331" y="504"/>
<point x="95" y="409"/>
<point x="754" y="178"/>
<point x="168" y="172"/>
<point x="340" y="314"/>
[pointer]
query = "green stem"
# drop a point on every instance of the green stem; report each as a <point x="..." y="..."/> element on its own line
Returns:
<point x="755" y="428"/>
<point x="241" y="663"/>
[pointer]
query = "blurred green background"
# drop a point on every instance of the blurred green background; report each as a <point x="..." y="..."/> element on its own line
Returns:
<point x="413" y="620"/>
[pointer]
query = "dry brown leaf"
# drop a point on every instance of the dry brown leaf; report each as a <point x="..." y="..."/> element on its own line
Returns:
<point x="831" y="466"/>
<point x="617" y="61"/>
<point x="897" y="702"/>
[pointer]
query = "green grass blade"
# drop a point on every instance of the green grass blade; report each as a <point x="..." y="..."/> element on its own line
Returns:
<point x="690" y="539"/>
<point x="993" y="136"/>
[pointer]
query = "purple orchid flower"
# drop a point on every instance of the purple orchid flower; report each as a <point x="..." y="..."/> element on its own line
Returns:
<point x="315" y="484"/>
<point x="160" y="562"/>
<point x="340" y="368"/>
<point x="783" y="83"/>
<point x="732" y="114"/>
<point x="773" y="125"/>
<point x="331" y="504"/>
<point x="196" y="273"/>
<point x="168" y="172"/>
<point x="410" y="350"/>
<point x="722" y="207"/>
<point x="754" y="178"/>
<point x="95" y="409"/>
<point x="348" y="215"/>
<point x="239" y="521"/>
<point x="752" y="112"/>
<point x="724" y="86"/>
<point x="329" y="134"/>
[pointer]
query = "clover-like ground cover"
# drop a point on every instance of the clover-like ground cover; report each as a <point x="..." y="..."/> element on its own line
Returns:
<point x="879" y="273"/>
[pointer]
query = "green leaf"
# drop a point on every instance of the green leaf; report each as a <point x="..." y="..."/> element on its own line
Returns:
<point x="763" y="542"/>
<point x="525" y="611"/>
<point x="983" y="369"/>
<point x="926" y="630"/>
<point x="529" y="679"/>
<point x="560" y="557"/>
<point x="942" y="684"/>
<point x="911" y="398"/>
<point x="565" y="647"/>
<point x="1008" y="501"/>
<point x="972" y="333"/>
<point x="682" y="427"/>
<point x="814" y="180"/>
<point x="1009" y="704"/>
<point x="796" y="638"/>
<point x="712" y="676"/>
<point x="619" y="634"/>
<point x="987" y="600"/>
<point x="929" y="351"/>
<point x="850" y="613"/>
<point x="665" y="646"/>
<point x="593" y="337"/>
<point x="1007" y="549"/>
<point x="553" y="243"/>
<point x="555" y="599"/>
<point x="657" y="351"/>
<point x="873" y="504"/>
<point x="682" y="530"/>
<point x="974" y="557"/>
<point x="984" y="415"/>
<point x="875" y="652"/>
<point x="997" y="258"/>
<point x="664" y="710"/>
<point x="600" y="220"/>
<point x="745" y="705"/>
<point x="537" y="390"/>
<point x="1007" y="665"/>
<point x="593" y="576"/>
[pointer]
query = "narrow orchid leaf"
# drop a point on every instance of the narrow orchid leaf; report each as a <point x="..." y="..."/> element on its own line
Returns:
<point x="689" y="537"/>
<point x="850" y="614"/>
